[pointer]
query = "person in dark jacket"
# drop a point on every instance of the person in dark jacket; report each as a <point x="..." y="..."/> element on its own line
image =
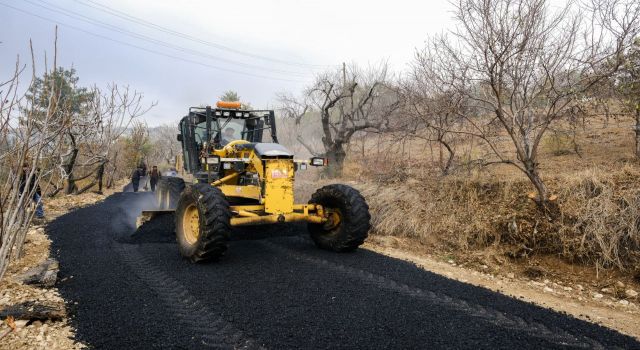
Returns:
<point x="37" y="194"/>
<point x="135" y="178"/>
<point x="154" y="176"/>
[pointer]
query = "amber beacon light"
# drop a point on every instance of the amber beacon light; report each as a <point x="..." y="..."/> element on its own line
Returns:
<point x="228" y="105"/>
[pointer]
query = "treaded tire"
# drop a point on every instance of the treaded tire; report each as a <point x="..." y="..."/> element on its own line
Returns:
<point x="168" y="192"/>
<point x="214" y="218"/>
<point x="354" y="221"/>
<point x="161" y="192"/>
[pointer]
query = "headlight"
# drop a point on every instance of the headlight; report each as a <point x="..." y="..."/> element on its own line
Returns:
<point x="226" y="166"/>
<point x="317" y="161"/>
<point x="213" y="160"/>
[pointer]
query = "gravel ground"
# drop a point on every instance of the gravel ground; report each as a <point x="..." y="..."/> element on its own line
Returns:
<point x="131" y="289"/>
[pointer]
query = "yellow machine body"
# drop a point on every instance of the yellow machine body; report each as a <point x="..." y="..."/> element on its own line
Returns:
<point x="278" y="188"/>
<point x="272" y="197"/>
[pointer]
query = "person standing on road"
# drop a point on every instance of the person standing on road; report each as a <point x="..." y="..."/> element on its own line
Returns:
<point x="37" y="195"/>
<point x="154" y="176"/>
<point x="135" y="178"/>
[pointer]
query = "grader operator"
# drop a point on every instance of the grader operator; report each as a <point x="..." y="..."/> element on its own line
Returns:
<point x="241" y="180"/>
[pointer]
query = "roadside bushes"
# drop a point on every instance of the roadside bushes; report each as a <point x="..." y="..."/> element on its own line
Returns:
<point x="602" y="217"/>
<point x="597" y="222"/>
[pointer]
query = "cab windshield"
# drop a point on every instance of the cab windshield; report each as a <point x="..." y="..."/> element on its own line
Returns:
<point x="232" y="129"/>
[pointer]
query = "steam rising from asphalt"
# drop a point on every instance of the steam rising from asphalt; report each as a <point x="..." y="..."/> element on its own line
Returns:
<point x="123" y="224"/>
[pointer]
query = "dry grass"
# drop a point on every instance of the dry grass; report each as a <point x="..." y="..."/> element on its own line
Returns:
<point x="602" y="216"/>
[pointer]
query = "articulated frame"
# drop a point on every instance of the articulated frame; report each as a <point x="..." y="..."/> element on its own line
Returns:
<point x="256" y="215"/>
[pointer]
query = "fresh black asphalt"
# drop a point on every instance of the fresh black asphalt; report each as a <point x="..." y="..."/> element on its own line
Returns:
<point x="130" y="289"/>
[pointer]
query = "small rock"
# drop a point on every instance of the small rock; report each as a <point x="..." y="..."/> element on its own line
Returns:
<point x="624" y="302"/>
<point x="597" y="296"/>
<point x="511" y="275"/>
<point x="619" y="284"/>
<point x="568" y="289"/>
<point x="484" y="267"/>
<point x="579" y="287"/>
<point x="451" y="262"/>
<point x="548" y="290"/>
<point x="607" y="290"/>
<point x="630" y="293"/>
<point x="43" y="275"/>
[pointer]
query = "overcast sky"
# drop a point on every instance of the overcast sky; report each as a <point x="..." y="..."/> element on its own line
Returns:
<point x="186" y="53"/>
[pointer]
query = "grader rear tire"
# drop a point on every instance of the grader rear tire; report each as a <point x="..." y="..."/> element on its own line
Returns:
<point x="168" y="192"/>
<point x="202" y="223"/>
<point x="350" y="219"/>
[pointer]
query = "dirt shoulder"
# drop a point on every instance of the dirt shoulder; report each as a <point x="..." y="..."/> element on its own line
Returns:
<point x="581" y="298"/>
<point x="45" y="333"/>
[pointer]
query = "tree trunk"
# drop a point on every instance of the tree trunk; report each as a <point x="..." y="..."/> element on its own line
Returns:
<point x="447" y="166"/>
<point x="336" y="156"/>
<point x="96" y="181"/>
<point x="531" y="170"/>
<point x="68" y="166"/>
<point x="100" y="177"/>
<point x="638" y="132"/>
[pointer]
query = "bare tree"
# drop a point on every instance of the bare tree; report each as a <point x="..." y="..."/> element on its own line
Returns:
<point x="299" y="125"/>
<point x="165" y="146"/>
<point x="523" y="66"/>
<point x="629" y="87"/>
<point x="29" y="147"/>
<point x="434" y="113"/>
<point x="345" y="102"/>
<point x="114" y="111"/>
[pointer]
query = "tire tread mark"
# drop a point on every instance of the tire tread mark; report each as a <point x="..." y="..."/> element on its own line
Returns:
<point x="498" y="318"/>
<point x="190" y="312"/>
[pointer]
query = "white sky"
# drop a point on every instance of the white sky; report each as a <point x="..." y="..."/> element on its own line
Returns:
<point x="324" y="33"/>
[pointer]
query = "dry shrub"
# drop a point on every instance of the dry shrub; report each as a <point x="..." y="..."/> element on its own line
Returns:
<point x="598" y="221"/>
<point x="455" y="212"/>
<point x="601" y="211"/>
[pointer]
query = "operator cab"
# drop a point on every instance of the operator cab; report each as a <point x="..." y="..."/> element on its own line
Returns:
<point x="207" y="128"/>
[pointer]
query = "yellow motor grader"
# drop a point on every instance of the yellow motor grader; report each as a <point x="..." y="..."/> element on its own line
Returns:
<point x="241" y="180"/>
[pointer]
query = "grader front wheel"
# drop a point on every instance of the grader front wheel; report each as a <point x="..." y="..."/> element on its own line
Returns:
<point x="202" y="223"/>
<point x="348" y="218"/>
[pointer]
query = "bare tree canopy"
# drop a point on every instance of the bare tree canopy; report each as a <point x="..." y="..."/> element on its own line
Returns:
<point x="520" y="65"/>
<point x="345" y="101"/>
